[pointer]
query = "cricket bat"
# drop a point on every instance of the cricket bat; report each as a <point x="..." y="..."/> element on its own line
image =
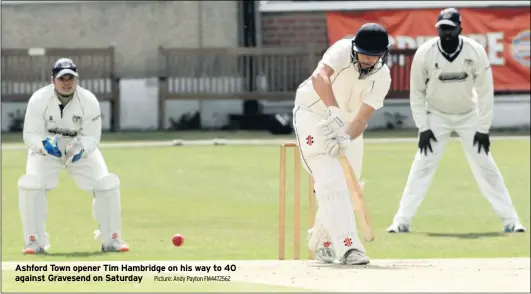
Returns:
<point x="358" y="200"/>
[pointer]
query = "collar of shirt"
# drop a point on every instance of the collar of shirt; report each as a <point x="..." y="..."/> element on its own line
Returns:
<point x="62" y="101"/>
<point x="456" y="49"/>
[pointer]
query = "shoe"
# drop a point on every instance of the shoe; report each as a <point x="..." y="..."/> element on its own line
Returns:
<point x="322" y="249"/>
<point x="355" y="257"/>
<point x="398" y="228"/>
<point x="325" y="253"/>
<point x="116" y="245"/>
<point x="34" y="247"/>
<point x="514" y="228"/>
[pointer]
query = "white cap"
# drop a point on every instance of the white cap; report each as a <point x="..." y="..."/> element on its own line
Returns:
<point x="66" y="71"/>
<point x="64" y="66"/>
<point x="445" y="22"/>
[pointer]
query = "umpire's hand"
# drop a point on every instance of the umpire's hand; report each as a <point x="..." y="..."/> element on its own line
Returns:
<point x="482" y="140"/>
<point x="425" y="141"/>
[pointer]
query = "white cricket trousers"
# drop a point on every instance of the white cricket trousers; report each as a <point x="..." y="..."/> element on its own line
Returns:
<point x="335" y="213"/>
<point x="85" y="172"/>
<point x="483" y="167"/>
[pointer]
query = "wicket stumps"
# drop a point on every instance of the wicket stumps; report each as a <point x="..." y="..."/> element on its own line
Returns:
<point x="296" y="203"/>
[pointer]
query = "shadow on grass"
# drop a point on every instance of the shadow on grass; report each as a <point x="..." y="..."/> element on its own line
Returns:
<point x="360" y="267"/>
<point x="465" y="235"/>
<point x="75" y="254"/>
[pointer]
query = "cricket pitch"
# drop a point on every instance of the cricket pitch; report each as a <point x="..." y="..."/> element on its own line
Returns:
<point x="384" y="275"/>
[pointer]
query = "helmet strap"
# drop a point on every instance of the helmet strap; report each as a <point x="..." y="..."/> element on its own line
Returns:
<point x="364" y="72"/>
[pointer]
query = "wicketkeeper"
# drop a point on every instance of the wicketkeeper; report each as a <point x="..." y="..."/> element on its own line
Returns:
<point x="62" y="129"/>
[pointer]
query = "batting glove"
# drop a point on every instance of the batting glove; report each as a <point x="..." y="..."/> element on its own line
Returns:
<point x="338" y="145"/>
<point x="333" y="126"/>
<point x="51" y="146"/>
<point x="74" y="151"/>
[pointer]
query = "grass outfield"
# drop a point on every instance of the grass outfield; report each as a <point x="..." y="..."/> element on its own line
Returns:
<point x="223" y="199"/>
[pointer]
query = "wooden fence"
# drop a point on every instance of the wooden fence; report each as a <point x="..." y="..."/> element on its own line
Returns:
<point x="250" y="73"/>
<point x="261" y="73"/>
<point x="26" y="70"/>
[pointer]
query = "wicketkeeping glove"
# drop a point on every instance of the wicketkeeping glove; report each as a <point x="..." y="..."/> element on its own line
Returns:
<point x="51" y="146"/>
<point x="74" y="151"/>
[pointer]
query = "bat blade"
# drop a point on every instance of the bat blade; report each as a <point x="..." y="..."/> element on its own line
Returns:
<point x="356" y="194"/>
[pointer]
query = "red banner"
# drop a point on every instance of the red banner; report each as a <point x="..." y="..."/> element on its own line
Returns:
<point x="504" y="32"/>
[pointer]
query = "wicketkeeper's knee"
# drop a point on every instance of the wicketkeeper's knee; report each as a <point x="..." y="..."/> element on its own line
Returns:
<point x="31" y="182"/>
<point x="108" y="182"/>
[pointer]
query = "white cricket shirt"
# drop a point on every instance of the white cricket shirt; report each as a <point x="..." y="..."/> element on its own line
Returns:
<point x="80" y="118"/>
<point x="456" y="84"/>
<point x="349" y="89"/>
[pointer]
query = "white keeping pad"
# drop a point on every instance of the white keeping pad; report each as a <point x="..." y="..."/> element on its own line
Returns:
<point x="33" y="207"/>
<point x="107" y="207"/>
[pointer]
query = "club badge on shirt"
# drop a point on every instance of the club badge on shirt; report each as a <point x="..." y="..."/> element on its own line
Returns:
<point x="76" y="119"/>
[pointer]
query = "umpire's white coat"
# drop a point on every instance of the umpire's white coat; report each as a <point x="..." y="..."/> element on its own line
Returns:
<point x="80" y="118"/>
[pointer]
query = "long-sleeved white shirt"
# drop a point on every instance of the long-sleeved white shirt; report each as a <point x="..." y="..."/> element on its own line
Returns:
<point x="451" y="84"/>
<point x="80" y="118"/>
<point x="349" y="89"/>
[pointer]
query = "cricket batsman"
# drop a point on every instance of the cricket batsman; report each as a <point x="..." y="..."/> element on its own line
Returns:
<point x="332" y="109"/>
<point x="452" y="91"/>
<point x="62" y="129"/>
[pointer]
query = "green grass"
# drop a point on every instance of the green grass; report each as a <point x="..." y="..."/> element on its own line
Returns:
<point x="224" y="201"/>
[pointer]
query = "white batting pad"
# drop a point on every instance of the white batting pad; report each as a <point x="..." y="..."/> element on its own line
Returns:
<point x="107" y="207"/>
<point x="317" y="233"/>
<point x="334" y="203"/>
<point x="311" y="139"/>
<point x="33" y="207"/>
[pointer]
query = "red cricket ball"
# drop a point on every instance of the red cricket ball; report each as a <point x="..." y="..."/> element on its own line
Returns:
<point x="177" y="240"/>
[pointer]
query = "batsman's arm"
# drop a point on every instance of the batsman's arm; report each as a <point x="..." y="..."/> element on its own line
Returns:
<point x="323" y="85"/>
<point x="372" y="101"/>
<point x="335" y="59"/>
<point x="485" y="90"/>
<point x="90" y="133"/>
<point x="417" y="85"/>
<point x="34" y="130"/>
